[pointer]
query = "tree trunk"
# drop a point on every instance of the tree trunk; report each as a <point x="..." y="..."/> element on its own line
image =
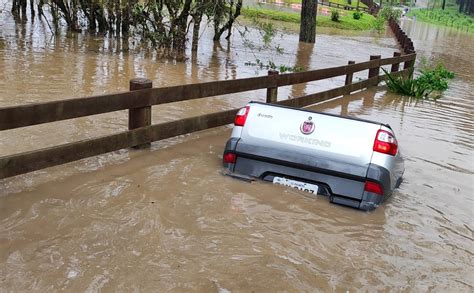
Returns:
<point x="179" y="31"/>
<point x="32" y="9"/>
<point x="40" y="8"/>
<point x="443" y="5"/>
<point x="217" y="15"/>
<point x="74" y="16"/>
<point x="230" y="22"/>
<point x="196" y="27"/>
<point x="469" y="7"/>
<point x="126" y="18"/>
<point x="118" y="17"/>
<point x="461" y="5"/>
<point x="54" y="14"/>
<point x="308" y="21"/>
<point x="110" y="16"/>
<point x="69" y="13"/>
<point x="99" y="13"/>
<point x="16" y="7"/>
<point x="23" y="8"/>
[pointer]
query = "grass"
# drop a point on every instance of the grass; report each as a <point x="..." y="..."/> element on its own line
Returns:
<point x="284" y="16"/>
<point x="448" y="17"/>
<point x="346" y="20"/>
<point x="342" y="2"/>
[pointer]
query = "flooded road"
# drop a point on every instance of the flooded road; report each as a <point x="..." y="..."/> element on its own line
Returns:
<point x="167" y="220"/>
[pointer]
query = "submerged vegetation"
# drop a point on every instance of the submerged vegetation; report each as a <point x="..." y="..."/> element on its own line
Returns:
<point x="268" y="33"/>
<point x="271" y="65"/>
<point x="163" y="24"/>
<point x="432" y="81"/>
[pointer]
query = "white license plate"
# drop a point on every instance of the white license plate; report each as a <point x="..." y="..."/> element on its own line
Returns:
<point x="311" y="188"/>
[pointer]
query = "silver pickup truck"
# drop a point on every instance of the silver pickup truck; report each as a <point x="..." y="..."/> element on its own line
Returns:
<point x="355" y="162"/>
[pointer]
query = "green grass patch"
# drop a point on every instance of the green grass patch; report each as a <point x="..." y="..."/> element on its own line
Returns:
<point x="252" y="12"/>
<point x="342" y="2"/>
<point x="346" y="19"/>
<point x="448" y="17"/>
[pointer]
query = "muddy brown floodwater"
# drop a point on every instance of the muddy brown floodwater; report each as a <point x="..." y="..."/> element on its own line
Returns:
<point x="165" y="219"/>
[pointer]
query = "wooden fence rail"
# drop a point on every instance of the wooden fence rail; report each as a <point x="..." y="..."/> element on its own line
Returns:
<point x="142" y="96"/>
<point x="26" y="115"/>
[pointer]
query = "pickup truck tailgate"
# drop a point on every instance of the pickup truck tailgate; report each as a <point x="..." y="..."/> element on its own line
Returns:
<point x="327" y="143"/>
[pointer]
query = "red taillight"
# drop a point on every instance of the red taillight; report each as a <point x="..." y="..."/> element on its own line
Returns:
<point x="373" y="187"/>
<point x="230" y="158"/>
<point x="385" y="143"/>
<point x="241" y="116"/>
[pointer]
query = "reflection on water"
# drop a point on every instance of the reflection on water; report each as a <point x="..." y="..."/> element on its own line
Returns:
<point x="166" y="219"/>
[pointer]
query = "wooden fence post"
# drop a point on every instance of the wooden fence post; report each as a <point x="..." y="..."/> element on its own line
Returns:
<point x="395" y="66"/>
<point x="349" y="75"/>
<point x="140" y="117"/>
<point x="411" y="63"/>
<point x="272" y="92"/>
<point x="403" y="40"/>
<point x="376" y="70"/>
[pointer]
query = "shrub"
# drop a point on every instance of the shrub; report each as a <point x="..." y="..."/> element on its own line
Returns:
<point x="384" y="15"/>
<point x="334" y="15"/>
<point x="357" y="15"/>
<point x="379" y="24"/>
<point x="387" y="12"/>
<point x="405" y="86"/>
<point x="430" y="84"/>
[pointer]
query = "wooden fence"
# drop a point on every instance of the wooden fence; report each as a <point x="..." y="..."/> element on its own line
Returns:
<point x="142" y="96"/>
<point x="405" y="42"/>
<point x="372" y="6"/>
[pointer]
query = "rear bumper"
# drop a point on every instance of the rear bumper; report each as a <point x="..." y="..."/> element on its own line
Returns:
<point x="342" y="188"/>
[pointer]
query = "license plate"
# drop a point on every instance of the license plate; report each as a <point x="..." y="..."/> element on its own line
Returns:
<point x="311" y="188"/>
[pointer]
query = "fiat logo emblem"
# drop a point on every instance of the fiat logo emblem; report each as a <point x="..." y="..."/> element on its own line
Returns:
<point x="307" y="127"/>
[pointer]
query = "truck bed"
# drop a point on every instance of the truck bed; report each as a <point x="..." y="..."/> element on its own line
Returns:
<point x="335" y="153"/>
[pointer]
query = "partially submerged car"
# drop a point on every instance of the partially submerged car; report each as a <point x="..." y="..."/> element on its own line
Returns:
<point x="355" y="162"/>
